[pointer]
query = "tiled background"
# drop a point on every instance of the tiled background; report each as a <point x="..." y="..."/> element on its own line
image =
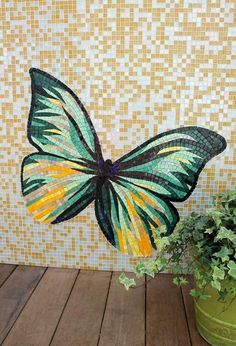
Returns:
<point x="140" y="68"/>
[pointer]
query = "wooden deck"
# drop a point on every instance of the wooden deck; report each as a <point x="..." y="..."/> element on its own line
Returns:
<point x="63" y="307"/>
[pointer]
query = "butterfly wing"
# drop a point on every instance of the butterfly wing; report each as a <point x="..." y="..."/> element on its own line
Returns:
<point x="138" y="199"/>
<point x="58" y="122"/>
<point x="56" y="189"/>
<point x="60" y="180"/>
<point x="128" y="216"/>
<point x="170" y="163"/>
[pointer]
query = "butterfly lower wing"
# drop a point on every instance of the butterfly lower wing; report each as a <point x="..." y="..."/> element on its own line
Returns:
<point x="128" y="216"/>
<point x="55" y="188"/>
<point x="169" y="164"/>
<point x="58" y="122"/>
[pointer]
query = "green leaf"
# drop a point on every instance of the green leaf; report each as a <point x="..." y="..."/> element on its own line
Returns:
<point x="218" y="273"/>
<point x="194" y="293"/>
<point x="223" y="254"/>
<point x="225" y="233"/>
<point x="180" y="280"/>
<point x="232" y="269"/>
<point x="124" y="280"/>
<point x="216" y="284"/>
<point x="162" y="243"/>
<point x="160" y="240"/>
<point x="161" y="263"/>
<point x="148" y="267"/>
<point x="209" y="230"/>
<point x="199" y="294"/>
<point x="139" y="269"/>
<point x="215" y="215"/>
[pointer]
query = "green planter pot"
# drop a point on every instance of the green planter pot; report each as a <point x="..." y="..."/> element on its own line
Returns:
<point x="216" y="326"/>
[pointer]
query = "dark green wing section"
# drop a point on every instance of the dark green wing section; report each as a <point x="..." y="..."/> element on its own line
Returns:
<point x="169" y="164"/>
<point x="129" y="215"/>
<point x="58" y="122"/>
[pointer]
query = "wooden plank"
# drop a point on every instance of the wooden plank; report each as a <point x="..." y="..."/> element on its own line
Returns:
<point x="81" y="321"/>
<point x="124" y="320"/>
<point x="166" y="323"/>
<point x="14" y="294"/>
<point x="5" y="272"/>
<point x="196" y="338"/>
<point x="38" y="320"/>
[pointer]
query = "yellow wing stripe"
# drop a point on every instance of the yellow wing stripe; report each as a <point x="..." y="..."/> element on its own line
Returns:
<point x="145" y="244"/>
<point x="169" y="149"/>
<point x="48" y="198"/>
<point x="44" y="213"/>
<point x="122" y="241"/>
<point x="63" y="171"/>
<point x="30" y="166"/>
<point x="56" y="102"/>
<point x="132" y="243"/>
<point x="181" y="159"/>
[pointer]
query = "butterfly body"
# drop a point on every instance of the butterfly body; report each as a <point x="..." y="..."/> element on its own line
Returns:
<point x="106" y="169"/>
<point x="133" y="195"/>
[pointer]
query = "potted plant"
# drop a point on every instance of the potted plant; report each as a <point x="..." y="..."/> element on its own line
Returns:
<point x="204" y="244"/>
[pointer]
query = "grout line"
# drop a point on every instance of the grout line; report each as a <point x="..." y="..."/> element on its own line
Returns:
<point x="63" y="309"/>
<point x="23" y="307"/>
<point x="8" y="276"/>
<point x="186" y="316"/>
<point x="105" y="307"/>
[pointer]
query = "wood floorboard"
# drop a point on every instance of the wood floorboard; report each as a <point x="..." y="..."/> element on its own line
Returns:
<point x="14" y="294"/>
<point x="82" y="318"/>
<point x="197" y="340"/>
<point x="166" y="323"/>
<point x="5" y="272"/>
<point x="37" y="322"/>
<point x="124" y="319"/>
<point x="59" y="307"/>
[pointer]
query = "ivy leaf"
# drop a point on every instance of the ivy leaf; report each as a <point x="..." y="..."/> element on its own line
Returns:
<point x="124" y="280"/>
<point x="218" y="273"/>
<point x="216" y="284"/>
<point x="223" y="254"/>
<point x="225" y="233"/>
<point x="209" y="230"/>
<point x="216" y="216"/>
<point x="160" y="240"/>
<point x="139" y="269"/>
<point x="180" y="280"/>
<point x="198" y="294"/>
<point x="148" y="268"/>
<point x="232" y="269"/>
<point x="162" y="243"/>
<point x="161" y="263"/>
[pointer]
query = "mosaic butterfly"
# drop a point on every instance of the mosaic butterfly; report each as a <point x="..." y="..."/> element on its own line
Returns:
<point x="132" y="195"/>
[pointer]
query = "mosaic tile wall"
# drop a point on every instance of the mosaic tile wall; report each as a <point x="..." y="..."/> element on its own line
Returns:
<point x="140" y="68"/>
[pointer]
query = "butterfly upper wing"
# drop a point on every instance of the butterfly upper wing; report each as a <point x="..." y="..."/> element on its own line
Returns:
<point x="170" y="163"/>
<point x="58" y="122"/>
<point x="128" y="216"/>
<point x="60" y="180"/>
<point x="163" y="169"/>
